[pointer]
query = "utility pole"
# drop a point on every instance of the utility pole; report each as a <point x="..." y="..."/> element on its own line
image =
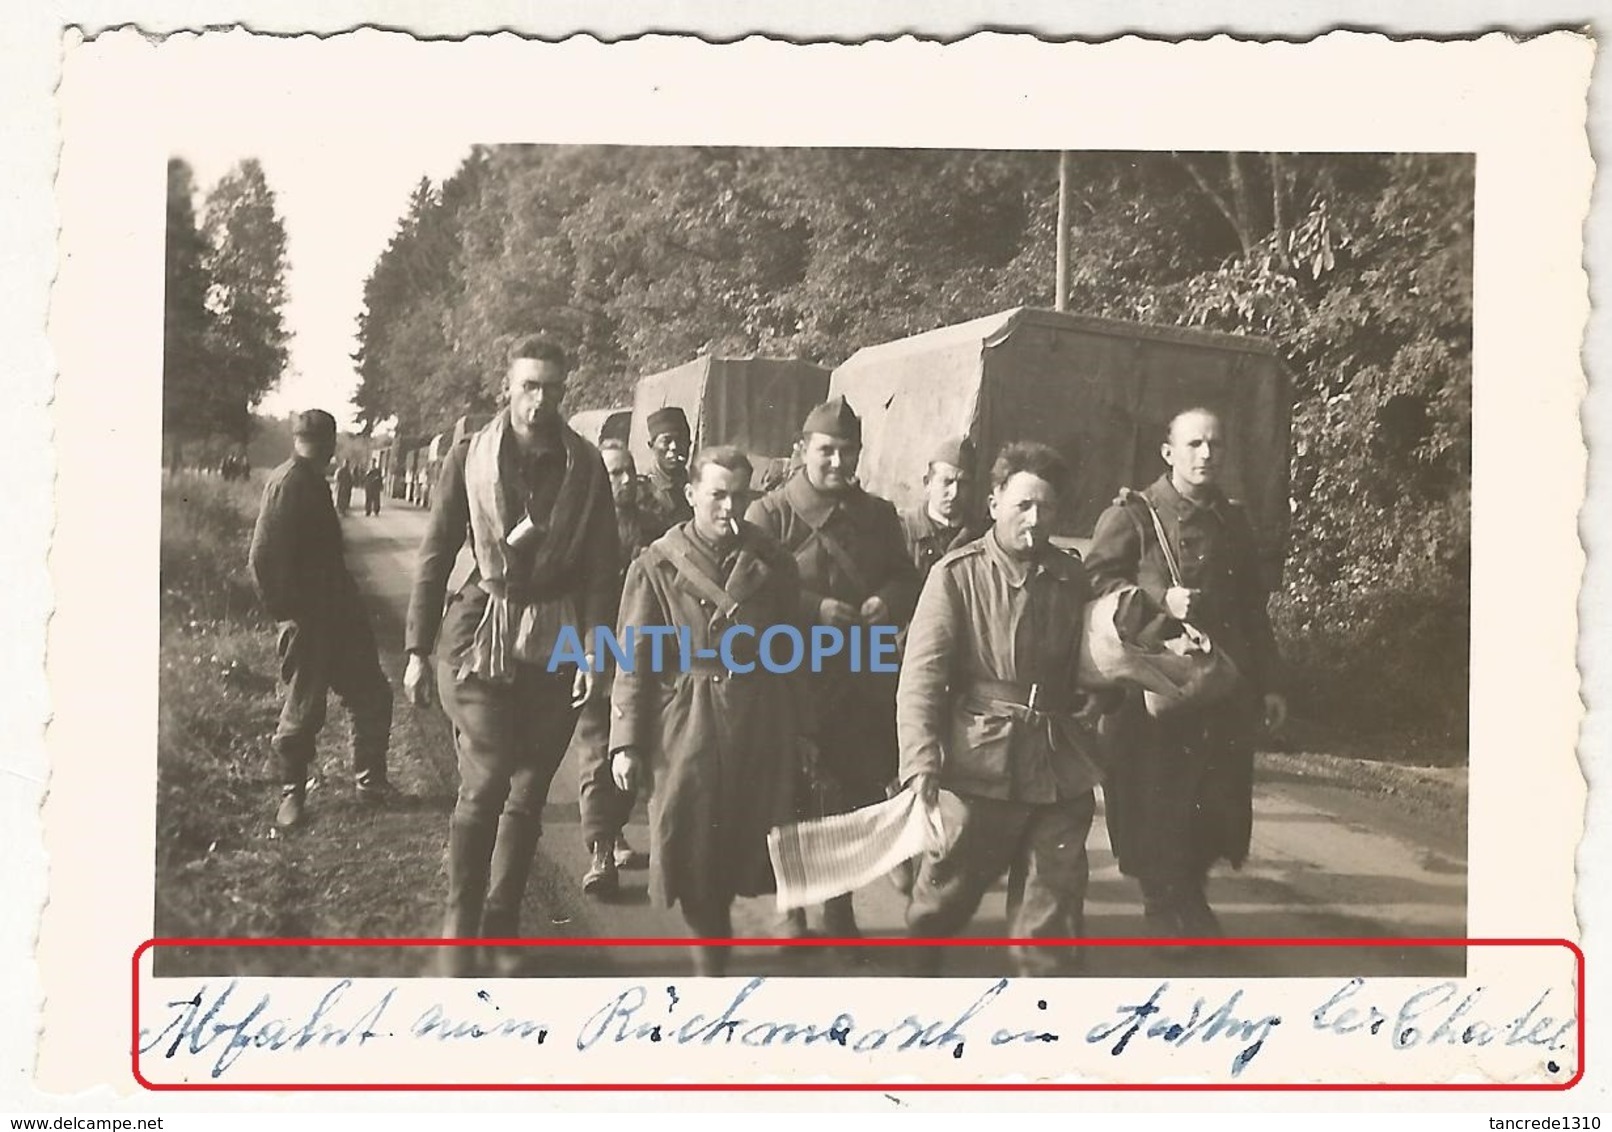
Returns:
<point x="1061" y="300"/>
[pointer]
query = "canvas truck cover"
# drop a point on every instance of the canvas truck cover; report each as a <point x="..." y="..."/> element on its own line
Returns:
<point x="589" y="422"/>
<point x="1101" y="391"/>
<point x="756" y="404"/>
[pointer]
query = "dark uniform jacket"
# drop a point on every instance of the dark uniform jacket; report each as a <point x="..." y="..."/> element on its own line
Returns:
<point x="663" y="501"/>
<point x="594" y="580"/>
<point x="296" y="557"/>
<point x="987" y="628"/>
<point x="863" y="526"/>
<point x="1218" y="555"/>
<point x="928" y="542"/>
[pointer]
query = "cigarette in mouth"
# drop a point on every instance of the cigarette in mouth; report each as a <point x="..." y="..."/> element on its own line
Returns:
<point x="733" y="527"/>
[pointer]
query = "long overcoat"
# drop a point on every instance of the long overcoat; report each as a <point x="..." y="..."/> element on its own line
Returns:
<point x="1179" y="791"/>
<point x="855" y="709"/>
<point x="721" y="743"/>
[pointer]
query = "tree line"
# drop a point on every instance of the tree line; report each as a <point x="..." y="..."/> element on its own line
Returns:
<point x="1357" y="266"/>
<point x="224" y="337"/>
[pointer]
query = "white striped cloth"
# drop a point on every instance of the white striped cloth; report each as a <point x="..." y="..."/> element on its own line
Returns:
<point x="814" y="861"/>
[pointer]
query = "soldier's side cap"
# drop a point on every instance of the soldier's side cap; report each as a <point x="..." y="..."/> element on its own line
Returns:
<point x="958" y="451"/>
<point x="313" y="422"/>
<point x="667" y="419"/>
<point x="617" y="426"/>
<point x="834" y="418"/>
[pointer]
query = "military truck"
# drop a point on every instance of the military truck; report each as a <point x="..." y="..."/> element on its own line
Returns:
<point x="757" y="404"/>
<point x="1099" y="390"/>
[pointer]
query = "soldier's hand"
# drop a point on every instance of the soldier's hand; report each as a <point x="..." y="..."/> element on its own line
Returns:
<point x="418" y="680"/>
<point x="927" y="787"/>
<point x="582" y="687"/>
<point x="874" y="610"/>
<point x="833" y="611"/>
<point x="1180" y="602"/>
<point x="625" y="770"/>
<point x="1275" y="712"/>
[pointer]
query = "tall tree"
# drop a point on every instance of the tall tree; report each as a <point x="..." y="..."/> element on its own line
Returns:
<point x="186" y="321"/>
<point x="247" y="266"/>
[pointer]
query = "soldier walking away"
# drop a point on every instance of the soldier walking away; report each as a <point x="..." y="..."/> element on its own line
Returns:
<point x="724" y="736"/>
<point x="325" y="643"/>
<point x="603" y="807"/>
<point x="531" y="498"/>
<point x="344" y="488"/>
<point x="1180" y="792"/>
<point x="374" y="484"/>
<point x="987" y="708"/>
<point x="854" y="572"/>
<point x="669" y="439"/>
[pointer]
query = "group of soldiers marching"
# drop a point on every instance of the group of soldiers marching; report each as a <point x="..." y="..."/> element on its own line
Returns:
<point x="534" y="529"/>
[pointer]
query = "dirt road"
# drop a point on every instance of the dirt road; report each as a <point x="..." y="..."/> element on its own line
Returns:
<point x="1327" y="861"/>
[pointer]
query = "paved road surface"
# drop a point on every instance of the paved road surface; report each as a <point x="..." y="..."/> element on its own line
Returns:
<point x="1322" y="866"/>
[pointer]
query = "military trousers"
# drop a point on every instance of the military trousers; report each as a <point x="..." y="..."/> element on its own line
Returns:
<point x="509" y="739"/>
<point x="320" y="657"/>
<point x="602" y="807"/>
<point x="1051" y="841"/>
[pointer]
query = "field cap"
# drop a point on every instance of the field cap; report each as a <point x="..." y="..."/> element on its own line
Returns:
<point x="834" y="418"/>
<point x="958" y="451"/>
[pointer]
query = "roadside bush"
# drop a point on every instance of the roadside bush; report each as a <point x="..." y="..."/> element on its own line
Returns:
<point x="217" y="704"/>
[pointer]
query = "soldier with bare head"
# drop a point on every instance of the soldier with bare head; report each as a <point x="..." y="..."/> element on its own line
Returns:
<point x="1180" y="792"/>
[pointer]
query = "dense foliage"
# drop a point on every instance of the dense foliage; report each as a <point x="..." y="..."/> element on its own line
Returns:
<point x="224" y="337"/>
<point x="1358" y="266"/>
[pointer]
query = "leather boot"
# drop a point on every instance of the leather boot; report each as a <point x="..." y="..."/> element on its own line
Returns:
<point x="293" y="800"/>
<point x="470" y="850"/>
<point x="601" y="879"/>
<point x="512" y="857"/>
<point x="839" y="919"/>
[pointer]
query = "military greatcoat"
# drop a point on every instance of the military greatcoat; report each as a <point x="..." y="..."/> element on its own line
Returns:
<point x="721" y="743"/>
<point x="1179" y="795"/>
<point x="850" y="547"/>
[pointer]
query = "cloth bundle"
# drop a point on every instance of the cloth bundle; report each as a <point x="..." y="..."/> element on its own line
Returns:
<point x="814" y="861"/>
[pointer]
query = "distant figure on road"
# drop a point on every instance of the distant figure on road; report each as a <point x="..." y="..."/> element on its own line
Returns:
<point x="987" y="708"/>
<point x="670" y="440"/>
<point x="723" y="744"/>
<point x="325" y="641"/>
<point x="854" y="572"/>
<point x="374" y="484"/>
<point x="603" y="807"/>
<point x="1180" y="793"/>
<point x="344" y="488"/>
<point x="532" y="498"/>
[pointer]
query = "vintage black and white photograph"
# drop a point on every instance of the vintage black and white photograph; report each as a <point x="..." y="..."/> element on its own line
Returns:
<point x="786" y="553"/>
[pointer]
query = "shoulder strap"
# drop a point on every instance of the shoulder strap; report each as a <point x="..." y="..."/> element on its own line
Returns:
<point x="835" y="550"/>
<point x="1164" y="542"/>
<point x="690" y="572"/>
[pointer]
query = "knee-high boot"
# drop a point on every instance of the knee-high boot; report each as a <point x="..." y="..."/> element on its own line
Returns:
<point x="518" y="835"/>
<point x="470" y="851"/>
<point x="511" y="865"/>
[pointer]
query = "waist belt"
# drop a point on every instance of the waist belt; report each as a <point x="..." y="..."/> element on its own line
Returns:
<point x="1027" y="699"/>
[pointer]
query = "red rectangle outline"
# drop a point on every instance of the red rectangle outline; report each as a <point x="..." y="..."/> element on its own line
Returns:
<point x="857" y="1086"/>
